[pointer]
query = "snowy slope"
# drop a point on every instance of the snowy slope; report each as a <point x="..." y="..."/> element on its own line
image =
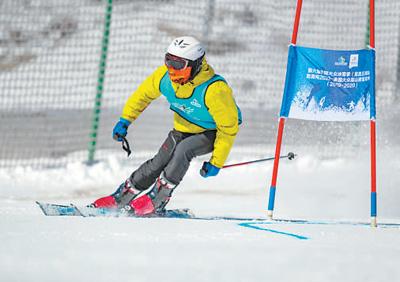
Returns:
<point x="38" y="248"/>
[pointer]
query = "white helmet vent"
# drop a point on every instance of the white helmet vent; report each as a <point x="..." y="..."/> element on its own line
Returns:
<point x="181" y="43"/>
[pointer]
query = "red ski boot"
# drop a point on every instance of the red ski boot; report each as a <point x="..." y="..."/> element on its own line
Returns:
<point x="153" y="201"/>
<point x="120" y="198"/>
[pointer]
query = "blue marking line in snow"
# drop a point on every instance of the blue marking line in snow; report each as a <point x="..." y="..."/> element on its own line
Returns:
<point x="254" y="225"/>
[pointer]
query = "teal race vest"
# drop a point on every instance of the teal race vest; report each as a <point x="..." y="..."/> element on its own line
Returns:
<point x="193" y="108"/>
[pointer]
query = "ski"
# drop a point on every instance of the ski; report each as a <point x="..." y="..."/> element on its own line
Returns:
<point x="58" y="210"/>
<point x="102" y="212"/>
<point x="50" y="209"/>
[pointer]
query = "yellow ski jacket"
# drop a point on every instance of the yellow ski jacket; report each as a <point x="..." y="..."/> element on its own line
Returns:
<point x="218" y="99"/>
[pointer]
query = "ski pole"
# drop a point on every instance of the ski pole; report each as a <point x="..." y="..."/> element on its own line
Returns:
<point x="290" y="156"/>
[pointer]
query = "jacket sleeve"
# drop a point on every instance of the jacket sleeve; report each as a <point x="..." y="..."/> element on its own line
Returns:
<point x="223" y="109"/>
<point x="148" y="91"/>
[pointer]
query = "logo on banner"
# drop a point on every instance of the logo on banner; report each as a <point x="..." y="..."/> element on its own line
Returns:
<point x="353" y="61"/>
<point x="341" y="61"/>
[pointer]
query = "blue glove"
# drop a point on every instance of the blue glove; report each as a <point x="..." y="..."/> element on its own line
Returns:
<point x="121" y="129"/>
<point x="208" y="170"/>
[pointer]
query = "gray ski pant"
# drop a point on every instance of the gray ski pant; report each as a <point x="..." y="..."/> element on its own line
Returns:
<point x="173" y="157"/>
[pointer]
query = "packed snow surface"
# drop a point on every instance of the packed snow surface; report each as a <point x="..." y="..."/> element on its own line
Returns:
<point x="335" y="244"/>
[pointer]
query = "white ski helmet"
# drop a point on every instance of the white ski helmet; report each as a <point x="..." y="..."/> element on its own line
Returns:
<point x="186" y="47"/>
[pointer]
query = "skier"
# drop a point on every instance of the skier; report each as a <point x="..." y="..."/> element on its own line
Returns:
<point x="206" y="120"/>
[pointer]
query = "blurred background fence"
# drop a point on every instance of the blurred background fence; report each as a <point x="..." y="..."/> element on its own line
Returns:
<point x="67" y="68"/>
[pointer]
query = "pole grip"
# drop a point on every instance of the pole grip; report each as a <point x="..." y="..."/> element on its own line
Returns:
<point x="203" y="170"/>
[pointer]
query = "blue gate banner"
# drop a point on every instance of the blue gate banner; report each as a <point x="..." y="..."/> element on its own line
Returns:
<point x="329" y="85"/>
